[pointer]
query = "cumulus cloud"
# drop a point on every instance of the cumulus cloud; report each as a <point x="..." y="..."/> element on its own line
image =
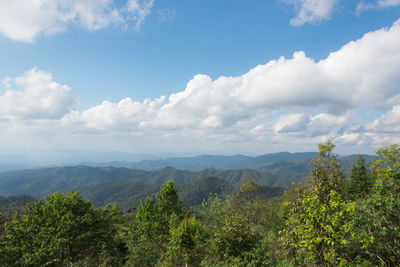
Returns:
<point x="387" y="123"/>
<point x="126" y="115"/>
<point x="318" y="97"/>
<point x="311" y="11"/>
<point x="286" y="100"/>
<point x="34" y="95"/>
<point x="24" y="20"/>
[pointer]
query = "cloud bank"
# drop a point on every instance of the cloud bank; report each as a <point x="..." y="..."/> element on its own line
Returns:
<point x="24" y="20"/>
<point x="284" y="102"/>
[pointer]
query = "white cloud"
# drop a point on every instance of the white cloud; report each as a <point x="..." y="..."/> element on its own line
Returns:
<point x="24" y="20"/>
<point x="378" y="4"/>
<point x="349" y="137"/>
<point x="311" y="11"/>
<point x="319" y="98"/>
<point x="323" y="124"/>
<point x="292" y="123"/>
<point x="387" y="123"/>
<point x="127" y="115"/>
<point x="285" y="101"/>
<point x="34" y="95"/>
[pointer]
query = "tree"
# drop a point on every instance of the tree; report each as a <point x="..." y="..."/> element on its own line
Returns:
<point x="63" y="229"/>
<point x="380" y="216"/>
<point x="321" y="226"/>
<point x="149" y="235"/>
<point x="323" y="233"/>
<point x="326" y="173"/>
<point x="236" y="225"/>
<point x="360" y="183"/>
<point x="187" y="243"/>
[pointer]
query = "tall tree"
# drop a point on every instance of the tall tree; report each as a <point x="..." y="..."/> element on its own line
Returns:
<point x="149" y="235"/>
<point x="326" y="173"/>
<point x="320" y="224"/>
<point x="360" y="182"/>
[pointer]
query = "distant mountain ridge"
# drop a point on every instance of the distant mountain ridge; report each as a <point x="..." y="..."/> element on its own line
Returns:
<point x="208" y="161"/>
<point x="273" y="171"/>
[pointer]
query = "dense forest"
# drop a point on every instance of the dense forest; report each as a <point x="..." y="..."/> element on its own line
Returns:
<point x="329" y="219"/>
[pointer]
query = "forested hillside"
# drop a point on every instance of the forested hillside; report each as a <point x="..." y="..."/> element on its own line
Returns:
<point x="129" y="194"/>
<point x="12" y="204"/>
<point x="40" y="182"/>
<point x="326" y="220"/>
<point x="274" y="170"/>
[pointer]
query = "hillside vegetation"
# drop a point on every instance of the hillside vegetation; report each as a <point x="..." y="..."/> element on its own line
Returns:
<point x="326" y="220"/>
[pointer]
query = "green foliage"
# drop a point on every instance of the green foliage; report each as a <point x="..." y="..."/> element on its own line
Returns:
<point x="235" y="237"/>
<point x="321" y="222"/>
<point x="61" y="230"/>
<point x="326" y="173"/>
<point x="380" y="216"/>
<point x="323" y="233"/>
<point x="238" y="227"/>
<point x="187" y="243"/>
<point x="388" y="161"/>
<point x="320" y="225"/>
<point x="149" y="235"/>
<point x="199" y="190"/>
<point x="328" y="230"/>
<point x="3" y="219"/>
<point x="168" y="200"/>
<point x="360" y="183"/>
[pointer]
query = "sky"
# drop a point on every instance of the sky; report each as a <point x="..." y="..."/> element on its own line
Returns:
<point x="199" y="77"/>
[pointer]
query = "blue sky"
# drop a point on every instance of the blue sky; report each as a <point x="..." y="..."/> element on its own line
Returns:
<point x="197" y="77"/>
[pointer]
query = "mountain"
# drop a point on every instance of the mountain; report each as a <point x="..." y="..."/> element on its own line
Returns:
<point x="199" y="190"/>
<point x="208" y="161"/>
<point x="43" y="181"/>
<point x="273" y="171"/>
<point x="22" y="159"/>
<point x="129" y="194"/>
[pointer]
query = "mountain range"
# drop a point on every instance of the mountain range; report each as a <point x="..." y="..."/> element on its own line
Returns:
<point x="127" y="185"/>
